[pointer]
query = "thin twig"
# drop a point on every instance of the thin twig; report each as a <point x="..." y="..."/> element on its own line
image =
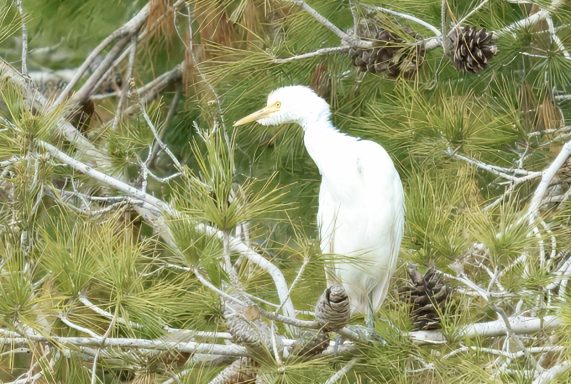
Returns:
<point x="38" y="102"/>
<point x="75" y="326"/>
<point x="556" y="38"/>
<point x="551" y="374"/>
<point x="170" y="114"/>
<point x="508" y="354"/>
<point x="125" y="30"/>
<point x="306" y="260"/>
<point x="550" y="131"/>
<point x="355" y="15"/>
<point x="469" y="14"/>
<point x="157" y="138"/>
<point x="256" y="258"/>
<point x="166" y="179"/>
<point x="20" y="7"/>
<point x="342" y="372"/>
<point x="319" y="52"/>
<point x="85" y="301"/>
<point x="407" y="16"/>
<point x="152" y="90"/>
<point x="547" y="176"/>
<point x="131" y="343"/>
<point x="332" y="27"/>
<point x="100" y="72"/>
<point x="498" y="171"/>
<point x="524" y="23"/>
<point x="204" y="78"/>
<point x="155" y="203"/>
<point x="104" y="338"/>
<point x="443" y="17"/>
<point x="126" y="85"/>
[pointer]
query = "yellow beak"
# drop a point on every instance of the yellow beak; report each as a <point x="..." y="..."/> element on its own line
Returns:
<point x="260" y="114"/>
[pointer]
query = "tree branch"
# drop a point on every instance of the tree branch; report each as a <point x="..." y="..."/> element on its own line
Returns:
<point x="20" y="7"/>
<point x="407" y="16"/>
<point x="547" y="176"/>
<point x="551" y="374"/>
<point x="319" y="52"/>
<point x="519" y="325"/>
<point x="118" y="342"/>
<point x="353" y="41"/>
<point x="342" y="372"/>
<point x="127" y="29"/>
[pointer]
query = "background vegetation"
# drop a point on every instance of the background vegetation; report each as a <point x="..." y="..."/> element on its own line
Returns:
<point x="137" y="225"/>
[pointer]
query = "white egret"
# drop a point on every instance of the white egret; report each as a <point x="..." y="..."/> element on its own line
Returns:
<point x="361" y="199"/>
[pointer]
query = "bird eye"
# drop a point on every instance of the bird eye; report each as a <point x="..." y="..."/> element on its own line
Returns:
<point x="278" y="104"/>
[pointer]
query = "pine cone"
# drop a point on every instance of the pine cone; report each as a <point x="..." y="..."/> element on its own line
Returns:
<point x="391" y="54"/>
<point x="310" y="344"/>
<point x="471" y="49"/>
<point x="332" y="309"/>
<point x="428" y="296"/>
<point x="247" y="329"/>
<point x="242" y="371"/>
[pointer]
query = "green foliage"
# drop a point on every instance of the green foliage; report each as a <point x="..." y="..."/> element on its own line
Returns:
<point x="210" y="194"/>
<point x="64" y="243"/>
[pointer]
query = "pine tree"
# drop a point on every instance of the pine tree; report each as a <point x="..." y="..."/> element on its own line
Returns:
<point x="146" y="240"/>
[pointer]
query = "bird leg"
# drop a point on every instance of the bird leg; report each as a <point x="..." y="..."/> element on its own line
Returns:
<point x="370" y="319"/>
<point x="370" y="322"/>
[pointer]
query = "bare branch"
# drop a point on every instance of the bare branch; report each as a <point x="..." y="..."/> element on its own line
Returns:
<point x="443" y="17"/>
<point x="519" y="325"/>
<point x="508" y="354"/>
<point x="277" y="275"/>
<point x="127" y="29"/>
<point x="160" y="208"/>
<point x="170" y="114"/>
<point x="506" y="173"/>
<point x="97" y="354"/>
<point x="469" y="14"/>
<point x="125" y="91"/>
<point x="319" y="52"/>
<point x="332" y="27"/>
<point x="551" y="374"/>
<point x="82" y="95"/>
<point x="118" y="342"/>
<point x="524" y="23"/>
<point x="77" y="327"/>
<point x="556" y="38"/>
<point x="342" y="372"/>
<point x="152" y="90"/>
<point x="547" y="176"/>
<point x="407" y="16"/>
<point x="157" y="138"/>
<point x="20" y="7"/>
<point x="152" y="202"/>
<point x="550" y="131"/>
<point x="39" y="102"/>
<point x="354" y="14"/>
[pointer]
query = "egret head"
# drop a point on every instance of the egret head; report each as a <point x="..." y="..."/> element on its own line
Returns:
<point x="293" y="104"/>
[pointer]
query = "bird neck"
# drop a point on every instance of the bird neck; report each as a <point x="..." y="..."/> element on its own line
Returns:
<point x="325" y="144"/>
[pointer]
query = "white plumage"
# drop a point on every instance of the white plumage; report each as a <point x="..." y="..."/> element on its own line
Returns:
<point x="361" y="199"/>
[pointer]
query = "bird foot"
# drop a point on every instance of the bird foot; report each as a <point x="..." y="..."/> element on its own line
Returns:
<point x="367" y="334"/>
<point x="375" y="338"/>
<point x="338" y="342"/>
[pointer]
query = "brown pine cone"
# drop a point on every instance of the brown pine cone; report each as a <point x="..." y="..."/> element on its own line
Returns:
<point x="428" y="295"/>
<point x="471" y="49"/>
